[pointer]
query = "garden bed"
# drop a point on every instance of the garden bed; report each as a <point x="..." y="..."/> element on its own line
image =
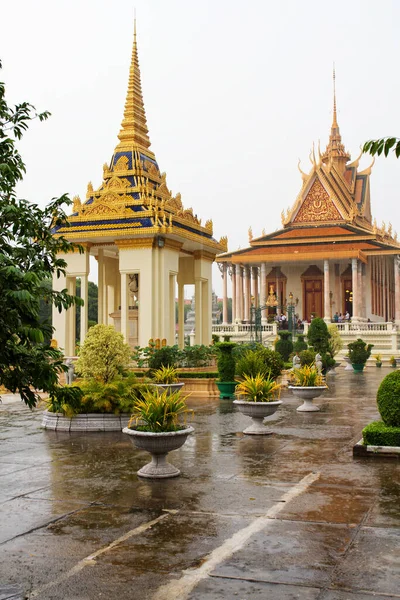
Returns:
<point x="84" y="422"/>
<point x="361" y="450"/>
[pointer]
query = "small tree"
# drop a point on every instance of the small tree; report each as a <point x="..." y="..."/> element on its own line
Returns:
<point x="318" y="335"/>
<point x="335" y="341"/>
<point x="104" y="354"/>
<point x="284" y="345"/>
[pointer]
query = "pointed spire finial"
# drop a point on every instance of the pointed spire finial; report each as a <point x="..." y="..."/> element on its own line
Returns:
<point x="334" y="124"/>
<point x="134" y="130"/>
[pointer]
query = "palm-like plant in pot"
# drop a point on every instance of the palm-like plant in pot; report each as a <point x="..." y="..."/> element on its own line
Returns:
<point x="158" y="425"/>
<point x="307" y="383"/>
<point x="166" y="378"/>
<point x="257" y="397"/>
<point x="359" y="353"/>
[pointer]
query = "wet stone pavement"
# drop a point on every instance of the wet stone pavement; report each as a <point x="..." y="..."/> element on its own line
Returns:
<point x="290" y="515"/>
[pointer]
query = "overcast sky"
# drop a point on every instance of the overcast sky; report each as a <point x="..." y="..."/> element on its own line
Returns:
<point x="235" y="93"/>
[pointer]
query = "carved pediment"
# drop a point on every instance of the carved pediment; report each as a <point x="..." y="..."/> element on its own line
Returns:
<point x="117" y="183"/>
<point x="121" y="164"/>
<point x="101" y="209"/>
<point x="317" y="206"/>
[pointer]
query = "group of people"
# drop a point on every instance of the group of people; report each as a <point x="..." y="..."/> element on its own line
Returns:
<point x="339" y="318"/>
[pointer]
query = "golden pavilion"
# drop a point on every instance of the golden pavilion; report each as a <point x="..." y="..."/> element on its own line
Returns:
<point x="144" y="240"/>
<point x="329" y="257"/>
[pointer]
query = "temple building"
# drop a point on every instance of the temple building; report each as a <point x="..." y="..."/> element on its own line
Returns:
<point x="329" y="256"/>
<point x="144" y="240"/>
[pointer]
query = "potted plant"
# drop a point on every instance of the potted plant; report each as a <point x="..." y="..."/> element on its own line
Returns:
<point x="258" y="397"/>
<point x="156" y="426"/>
<point x="392" y="361"/>
<point x="359" y="353"/>
<point x="166" y="378"/>
<point x="378" y="360"/>
<point x="226" y="365"/>
<point x="307" y="383"/>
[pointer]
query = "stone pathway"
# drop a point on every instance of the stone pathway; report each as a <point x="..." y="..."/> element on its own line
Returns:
<point x="287" y="516"/>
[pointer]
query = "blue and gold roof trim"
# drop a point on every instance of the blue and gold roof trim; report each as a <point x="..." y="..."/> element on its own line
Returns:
<point x="134" y="198"/>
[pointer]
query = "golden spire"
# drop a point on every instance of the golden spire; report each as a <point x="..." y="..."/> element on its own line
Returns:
<point x="134" y="130"/>
<point x="335" y="149"/>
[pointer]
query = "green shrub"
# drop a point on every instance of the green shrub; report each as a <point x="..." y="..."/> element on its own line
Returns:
<point x="197" y="356"/>
<point x="103" y="354"/>
<point x="307" y="357"/>
<point x="65" y="399"/>
<point x="197" y="374"/>
<point x="251" y="364"/>
<point x="159" y="412"/>
<point x="359" y="351"/>
<point x="284" y="345"/>
<point x="215" y="338"/>
<point x="300" y="344"/>
<point x="318" y="335"/>
<point x="116" y="397"/>
<point x="388" y="399"/>
<point x="335" y="341"/>
<point x="167" y="356"/>
<point x="226" y="361"/>
<point x="379" y="434"/>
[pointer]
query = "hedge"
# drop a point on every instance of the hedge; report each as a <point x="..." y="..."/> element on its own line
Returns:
<point x="379" y="434"/>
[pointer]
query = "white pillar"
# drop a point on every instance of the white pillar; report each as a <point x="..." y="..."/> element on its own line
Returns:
<point x="70" y="334"/>
<point x="233" y="277"/>
<point x="397" y="289"/>
<point x="254" y="281"/>
<point x="354" y="267"/>
<point x="181" y="315"/>
<point x="327" y="307"/>
<point x="246" y="285"/>
<point x="124" y="306"/>
<point x="224" y="294"/>
<point x="198" y="299"/>
<point x="100" y="282"/>
<point x="172" y="298"/>
<point x="238" y="289"/>
<point x="84" y="309"/>
<point x="263" y="291"/>
<point x="241" y="294"/>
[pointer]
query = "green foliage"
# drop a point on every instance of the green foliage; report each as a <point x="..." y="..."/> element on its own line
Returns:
<point x="197" y="374"/>
<point x="359" y="351"/>
<point x="29" y="256"/>
<point x="284" y="345"/>
<point x="115" y="397"/>
<point x="306" y="376"/>
<point x="103" y="355"/>
<point x="384" y="145"/>
<point x="159" y="412"/>
<point x="215" y="338"/>
<point x="197" y="356"/>
<point x="260" y="360"/>
<point x="168" y="356"/>
<point x="258" y="389"/>
<point x="318" y="335"/>
<point x="379" y="434"/>
<point x="335" y="343"/>
<point x="307" y="357"/>
<point x="300" y="344"/>
<point x="388" y="399"/>
<point x="226" y="361"/>
<point x="165" y="375"/>
<point x="65" y="399"/>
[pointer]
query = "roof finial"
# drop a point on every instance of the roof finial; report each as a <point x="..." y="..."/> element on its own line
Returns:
<point x="334" y="124"/>
<point x="134" y="26"/>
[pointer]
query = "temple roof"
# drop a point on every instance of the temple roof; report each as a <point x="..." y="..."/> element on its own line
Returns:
<point x="134" y="198"/>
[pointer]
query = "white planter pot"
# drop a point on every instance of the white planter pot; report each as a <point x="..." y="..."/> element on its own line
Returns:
<point x="169" y="387"/>
<point x="158" y="445"/>
<point x="257" y="411"/>
<point x="307" y="394"/>
<point x="84" y="422"/>
<point x="349" y="366"/>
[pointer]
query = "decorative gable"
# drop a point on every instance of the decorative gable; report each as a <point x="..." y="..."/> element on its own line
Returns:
<point x="317" y="206"/>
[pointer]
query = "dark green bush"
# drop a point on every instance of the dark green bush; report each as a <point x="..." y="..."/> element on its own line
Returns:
<point x="388" y="399"/>
<point x="284" y="345"/>
<point x="300" y="344"/>
<point x="65" y="399"/>
<point x="359" y="351"/>
<point x="118" y="396"/>
<point x="273" y="361"/>
<point x="215" y="338"/>
<point x="197" y="374"/>
<point x="251" y="363"/>
<point x="197" y="356"/>
<point x="318" y="335"/>
<point x="226" y="361"/>
<point x="379" y="434"/>
<point x="307" y="357"/>
<point x="168" y="356"/>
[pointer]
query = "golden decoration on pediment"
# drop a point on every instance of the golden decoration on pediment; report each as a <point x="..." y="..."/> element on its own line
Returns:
<point x="117" y="183"/>
<point x="395" y="236"/>
<point x="101" y="209"/>
<point x="375" y="228"/>
<point x="121" y="164"/>
<point x="352" y="213"/>
<point x="317" y="206"/>
<point x="89" y="191"/>
<point x="76" y="204"/>
<point x="151" y="168"/>
<point x="175" y="203"/>
<point x="209" y="225"/>
<point x="163" y="190"/>
<point x="383" y="228"/>
<point x="224" y="242"/>
<point x="188" y="215"/>
<point x="390" y="229"/>
<point x="283" y="218"/>
<point x="106" y="171"/>
<point x="250" y="232"/>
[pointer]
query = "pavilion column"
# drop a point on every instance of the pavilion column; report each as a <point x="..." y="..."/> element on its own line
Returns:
<point x="397" y="290"/>
<point x="360" y="290"/>
<point x="246" y="285"/>
<point x="100" y="282"/>
<point x="354" y="267"/>
<point x="181" y="314"/>
<point x="198" y="298"/>
<point x="278" y="297"/>
<point x="263" y="291"/>
<point x="327" y="304"/>
<point x="224" y="293"/>
<point x="84" y="309"/>
<point x="364" y="291"/>
<point x="124" y="306"/>
<point x="233" y="277"/>
<point x="239" y="289"/>
<point x="337" y="295"/>
<point x="254" y="282"/>
<point x="70" y="333"/>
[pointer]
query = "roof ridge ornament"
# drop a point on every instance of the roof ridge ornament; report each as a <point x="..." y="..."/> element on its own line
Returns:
<point x="335" y="150"/>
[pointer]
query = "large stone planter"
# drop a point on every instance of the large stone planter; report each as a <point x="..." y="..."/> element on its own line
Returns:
<point x="158" y="445"/>
<point x="307" y="394"/>
<point x="226" y="388"/>
<point x="348" y="364"/>
<point x="84" y="423"/>
<point x="257" y="411"/>
<point x="170" y="388"/>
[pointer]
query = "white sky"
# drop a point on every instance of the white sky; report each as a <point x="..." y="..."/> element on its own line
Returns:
<point x="235" y="93"/>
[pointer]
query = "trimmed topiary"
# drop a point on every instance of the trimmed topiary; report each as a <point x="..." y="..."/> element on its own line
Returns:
<point x="226" y="361"/>
<point x="318" y="335"/>
<point x="388" y="399"/>
<point x="284" y="345"/>
<point x="379" y="434"/>
<point x="300" y="344"/>
<point x="307" y="357"/>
